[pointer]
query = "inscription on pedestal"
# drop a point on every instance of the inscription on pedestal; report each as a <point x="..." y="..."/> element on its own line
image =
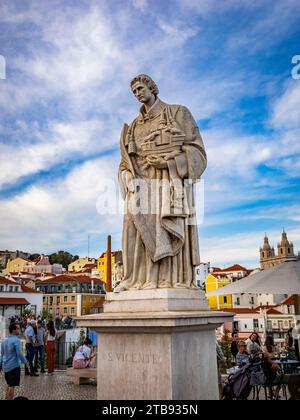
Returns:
<point x="146" y="358"/>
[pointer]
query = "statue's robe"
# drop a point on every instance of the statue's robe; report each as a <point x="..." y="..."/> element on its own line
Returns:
<point x="161" y="250"/>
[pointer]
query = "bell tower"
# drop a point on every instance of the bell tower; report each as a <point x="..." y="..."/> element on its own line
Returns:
<point x="285" y="248"/>
<point x="266" y="253"/>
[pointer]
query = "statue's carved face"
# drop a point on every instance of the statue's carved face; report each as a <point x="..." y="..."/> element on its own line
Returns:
<point x="142" y="92"/>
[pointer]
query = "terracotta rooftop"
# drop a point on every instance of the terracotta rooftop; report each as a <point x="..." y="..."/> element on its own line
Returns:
<point x="113" y="254"/>
<point x="240" y="310"/>
<point x="3" y="280"/>
<point x="70" y="279"/>
<point x="274" y="312"/>
<point x="13" y="301"/>
<point x="26" y="289"/>
<point x="289" y="301"/>
<point x="235" y="267"/>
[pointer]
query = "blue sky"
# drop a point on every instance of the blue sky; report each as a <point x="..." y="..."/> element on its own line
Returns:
<point x="66" y="96"/>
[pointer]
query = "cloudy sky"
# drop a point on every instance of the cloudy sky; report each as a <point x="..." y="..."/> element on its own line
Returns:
<point x="66" y="96"/>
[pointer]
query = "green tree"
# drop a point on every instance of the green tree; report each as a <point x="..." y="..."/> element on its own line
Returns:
<point x="62" y="257"/>
<point x="34" y="257"/>
<point x="225" y="345"/>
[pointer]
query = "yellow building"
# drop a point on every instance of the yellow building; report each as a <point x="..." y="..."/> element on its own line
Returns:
<point x="116" y="260"/>
<point x="67" y="295"/>
<point x="79" y="264"/>
<point x="18" y="265"/>
<point x="218" y="302"/>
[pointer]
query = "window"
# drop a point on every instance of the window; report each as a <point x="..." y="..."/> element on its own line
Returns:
<point x="73" y="298"/>
<point x="72" y="311"/>
<point x="269" y="325"/>
<point x="57" y="311"/>
<point x="65" y="310"/>
<point x="1" y="288"/>
<point x="51" y="300"/>
<point x="16" y="288"/>
<point x="246" y="326"/>
<point x="65" y="299"/>
<point x="225" y="299"/>
<point x="252" y="300"/>
<point x="238" y="301"/>
<point x="280" y="325"/>
<point x="255" y="324"/>
<point x="11" y="288"/>
<point x="57" y="300"/>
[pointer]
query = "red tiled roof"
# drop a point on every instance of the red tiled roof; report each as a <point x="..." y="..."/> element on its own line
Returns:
<point x="289" y="301"/>
<point x="13" y="301"/>
<point x="113" y="254"/>
<point x="3" y="280"/>
<point x="26" y="289"/>
<point x="240" y="310"/>
<point x="274" y="312"/>
<point x="70" y="279"/>
<point x="235" y="267"/>
<point x="265" y="307"/>
<point x="43" y="261"/>
<point x="89" y="266"/>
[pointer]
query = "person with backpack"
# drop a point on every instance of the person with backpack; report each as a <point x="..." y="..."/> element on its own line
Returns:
<point x="11" y="359"/>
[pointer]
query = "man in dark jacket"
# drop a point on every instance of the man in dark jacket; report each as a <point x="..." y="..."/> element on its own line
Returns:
<point x="234" y="344"/>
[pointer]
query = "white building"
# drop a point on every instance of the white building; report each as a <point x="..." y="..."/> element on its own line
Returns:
<point x="202" y="271"/>
<point x="15" y="297"/>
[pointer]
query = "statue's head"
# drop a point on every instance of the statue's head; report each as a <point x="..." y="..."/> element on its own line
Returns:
<point x="143" y="88"/>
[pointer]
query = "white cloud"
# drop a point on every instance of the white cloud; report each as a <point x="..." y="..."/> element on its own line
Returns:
<point x="61" y="214"/>
<point x="61" y="142"/>
<point x="286" y="109"/>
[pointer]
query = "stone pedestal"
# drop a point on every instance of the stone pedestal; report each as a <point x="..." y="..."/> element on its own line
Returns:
<point x="156" y="345"/>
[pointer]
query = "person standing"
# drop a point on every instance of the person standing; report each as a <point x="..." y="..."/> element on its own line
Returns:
<point x="39" y="353"/>
<point x="30" y="337"/>
<point x="50" y="338"/>
<point x="11" y="359"/>
<point x="234" y="344"/>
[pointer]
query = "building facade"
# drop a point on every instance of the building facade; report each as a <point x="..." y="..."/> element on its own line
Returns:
<point x="285" y="252"/>
<point x="67" y="295"/>
<point x="79" y="264"/>
<point x="15" y="297"/>
<point x="116" y="266"/>
<point x="213" y="283"/>
<point x="19" y="265"/>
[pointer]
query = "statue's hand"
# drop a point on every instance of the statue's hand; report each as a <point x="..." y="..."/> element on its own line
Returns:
<point x="157" y="161"/>
<point x="172" y="155"/>
<point x="128" y="181"/>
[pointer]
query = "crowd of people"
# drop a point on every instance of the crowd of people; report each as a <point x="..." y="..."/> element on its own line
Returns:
<point x="40" y="336"/>
<point x="253" y="351"/>
<point x="242" y="350"/>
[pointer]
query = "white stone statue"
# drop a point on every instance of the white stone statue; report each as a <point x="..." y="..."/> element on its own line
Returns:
<point x="162" y="156"/>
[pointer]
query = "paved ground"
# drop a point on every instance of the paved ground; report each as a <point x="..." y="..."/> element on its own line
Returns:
<point x="56" y="387"/>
